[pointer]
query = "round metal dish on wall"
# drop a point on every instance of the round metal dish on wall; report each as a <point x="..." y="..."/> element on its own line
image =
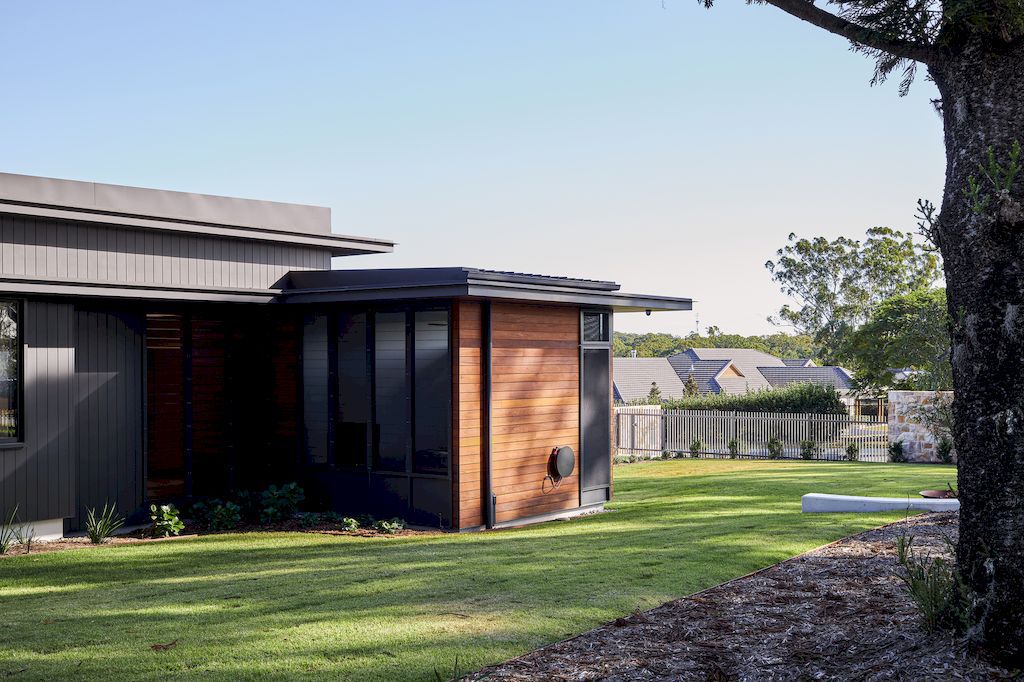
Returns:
<point x="562" y="462"/>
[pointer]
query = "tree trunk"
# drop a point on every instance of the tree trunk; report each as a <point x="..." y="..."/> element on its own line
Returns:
<point x="982" y="243"/>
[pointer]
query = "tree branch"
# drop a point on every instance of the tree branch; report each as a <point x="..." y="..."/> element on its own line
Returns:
<point x="807" y="11"/>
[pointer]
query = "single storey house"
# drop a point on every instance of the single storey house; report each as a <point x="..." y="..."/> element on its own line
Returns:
<point x="162" y="346"/>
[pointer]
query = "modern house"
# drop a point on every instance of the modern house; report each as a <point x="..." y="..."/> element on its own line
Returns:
<point x="730" y="371"/>
<point x="162" y="345"/>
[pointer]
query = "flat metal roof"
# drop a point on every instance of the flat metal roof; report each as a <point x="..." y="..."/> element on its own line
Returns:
<point x="352" y="286"/>
<point x="201" y="214"/>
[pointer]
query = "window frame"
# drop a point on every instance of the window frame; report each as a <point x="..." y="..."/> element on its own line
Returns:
<point x="19" y="418"/>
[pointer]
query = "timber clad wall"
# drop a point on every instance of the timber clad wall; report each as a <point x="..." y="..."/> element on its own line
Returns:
<point x="535" y="408"/>
<point x="467" y="463"/>
<point x="42" y="249"/>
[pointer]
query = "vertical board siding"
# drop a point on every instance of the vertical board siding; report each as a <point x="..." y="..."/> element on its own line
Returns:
<point x="535" y="406"/>
<point x="108" y="412"/>
<point x="63" y="250"/>
<point x="467" y="416"/>
<point x="38" y="478"/>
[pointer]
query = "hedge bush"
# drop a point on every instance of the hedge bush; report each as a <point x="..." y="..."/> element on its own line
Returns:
<point x="793" y="398"/>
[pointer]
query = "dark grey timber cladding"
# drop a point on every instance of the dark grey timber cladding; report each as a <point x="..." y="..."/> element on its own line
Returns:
<point x="108" y="411"/>
<point x="69" y="252"/>
<point x="38" y="476"/>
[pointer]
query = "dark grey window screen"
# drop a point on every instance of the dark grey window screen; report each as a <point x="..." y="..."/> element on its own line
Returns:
<point x="433" y="390"/>
<point x="595" y="327"/>
<point x="353" y="392"/>
<point x="10" y="371"/>
<point x="392" y="399"/>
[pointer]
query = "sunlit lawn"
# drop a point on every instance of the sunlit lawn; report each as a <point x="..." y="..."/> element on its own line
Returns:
<point x="281" y="605"/>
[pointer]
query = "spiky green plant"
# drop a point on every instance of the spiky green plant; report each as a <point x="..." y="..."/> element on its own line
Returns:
<point x="101" y="527"/>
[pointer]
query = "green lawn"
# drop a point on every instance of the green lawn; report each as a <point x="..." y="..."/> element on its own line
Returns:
<point x="292" y="604"/>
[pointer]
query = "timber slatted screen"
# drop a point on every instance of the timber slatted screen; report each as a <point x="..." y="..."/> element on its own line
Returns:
<point x="165" y="390"/>
<point x="536" y="406"/>
<point x="649" y="431"/>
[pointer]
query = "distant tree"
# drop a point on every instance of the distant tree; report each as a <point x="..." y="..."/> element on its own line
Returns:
<point x="654" y="397"/>
<point x="656" y="345"/>
<point x="835" y="284"/>
<point x="690" y="386"/>
<point x="907" y="331"/>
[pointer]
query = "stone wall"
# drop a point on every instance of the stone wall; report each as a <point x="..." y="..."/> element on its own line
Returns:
<point x="905" y="423"/>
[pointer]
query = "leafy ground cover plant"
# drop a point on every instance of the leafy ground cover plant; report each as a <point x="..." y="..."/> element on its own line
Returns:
<point x="310" y="519"/>
<point x="695" y="448"/>
<point x="166" y="520"/>
<point x="280" y="503"/>
<point x="224" y="516"/>
<point x="808" y="449"/>
<point x="349" y="524"/>
<point x="100" y="527"/>
<point x="896" y="453"/>
<point x="390" y="526"/>
<point x="775" y="448"/>
<point x="852" y="452"/>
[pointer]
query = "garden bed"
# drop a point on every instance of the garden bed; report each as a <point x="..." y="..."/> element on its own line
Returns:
<point x="143" y="535"/>
<point x="836" y="612"/>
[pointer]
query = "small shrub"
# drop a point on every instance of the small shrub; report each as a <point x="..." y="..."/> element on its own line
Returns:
<point x="734" y="448"/>
<point x="249" y="504"/>
<point x="934" y="585"/>
<point x="310" y="520"/>
<point x="695" y="448"/>
<point x="775" y="448"/>
<point x="280" y="503"/>
<point x="808" y="449"/>
<point x="166" y="520"/>
<point x="365" y="520"/>
<point x="25" y="534"/>
<point x="667" y="455"/>
<point x="331" y="518"/>
<point x="223" y="515"/>
<point x="945" y="450"/>
<point x="896" y="453"/>
<point x="389" y="527"/>
<point x="852" y="452"/>
<point x="101" y="527"/>
<point x="349" y="524"/>
<point x="8" y="533"/>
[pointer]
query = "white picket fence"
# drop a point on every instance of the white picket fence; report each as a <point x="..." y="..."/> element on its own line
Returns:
<point x="649" y="433"/>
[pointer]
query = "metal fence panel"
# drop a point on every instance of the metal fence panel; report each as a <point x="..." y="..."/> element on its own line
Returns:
<point x="647" y="432"/>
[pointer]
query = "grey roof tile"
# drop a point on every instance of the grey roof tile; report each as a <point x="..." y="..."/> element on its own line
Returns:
<point x="633" y="378"/>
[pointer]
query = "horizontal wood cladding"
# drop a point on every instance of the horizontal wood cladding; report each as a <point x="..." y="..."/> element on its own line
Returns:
<point x="78" y="252"/>
<point x="535" y="406"/>
<point x="467" y="465"/>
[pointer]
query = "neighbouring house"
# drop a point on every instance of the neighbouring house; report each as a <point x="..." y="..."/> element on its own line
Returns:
<point x="731" y="371"/>
<point x="165" y="346"/>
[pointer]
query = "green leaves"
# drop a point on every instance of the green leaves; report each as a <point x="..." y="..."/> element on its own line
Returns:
<point x="836" y="283"/>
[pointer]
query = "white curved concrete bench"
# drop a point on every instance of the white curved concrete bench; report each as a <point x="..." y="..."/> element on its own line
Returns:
<point x="820" y="502"/>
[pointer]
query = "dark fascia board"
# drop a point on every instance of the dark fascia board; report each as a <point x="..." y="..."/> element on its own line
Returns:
<point x="433" y="283"/>
<point x="55" y="287"/>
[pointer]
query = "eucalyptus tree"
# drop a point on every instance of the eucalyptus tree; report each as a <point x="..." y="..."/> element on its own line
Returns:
<point x="974" y="52"/>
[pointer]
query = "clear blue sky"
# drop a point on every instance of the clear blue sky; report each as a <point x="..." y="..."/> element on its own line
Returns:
<point x="669" y="148"/>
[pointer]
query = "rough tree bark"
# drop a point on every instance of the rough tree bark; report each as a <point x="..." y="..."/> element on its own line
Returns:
<point x="982" y="108"/>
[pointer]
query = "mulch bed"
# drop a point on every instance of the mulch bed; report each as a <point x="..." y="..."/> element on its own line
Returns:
<point x="837" y="612"/>
<point x="142" y="535"/>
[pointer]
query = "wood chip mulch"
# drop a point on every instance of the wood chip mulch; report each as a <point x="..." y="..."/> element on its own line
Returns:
<point x="837" y="612"/>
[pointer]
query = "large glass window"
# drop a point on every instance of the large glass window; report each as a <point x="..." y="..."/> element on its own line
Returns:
<point x="10" y="371"/>
<point x="391" y="437"/>
<point x="353" y="391"/>
<point x="596" y="327"/>
<point x="433" y="390"/>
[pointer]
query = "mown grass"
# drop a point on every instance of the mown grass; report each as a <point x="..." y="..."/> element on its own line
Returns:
<point x="285" y="605"/>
